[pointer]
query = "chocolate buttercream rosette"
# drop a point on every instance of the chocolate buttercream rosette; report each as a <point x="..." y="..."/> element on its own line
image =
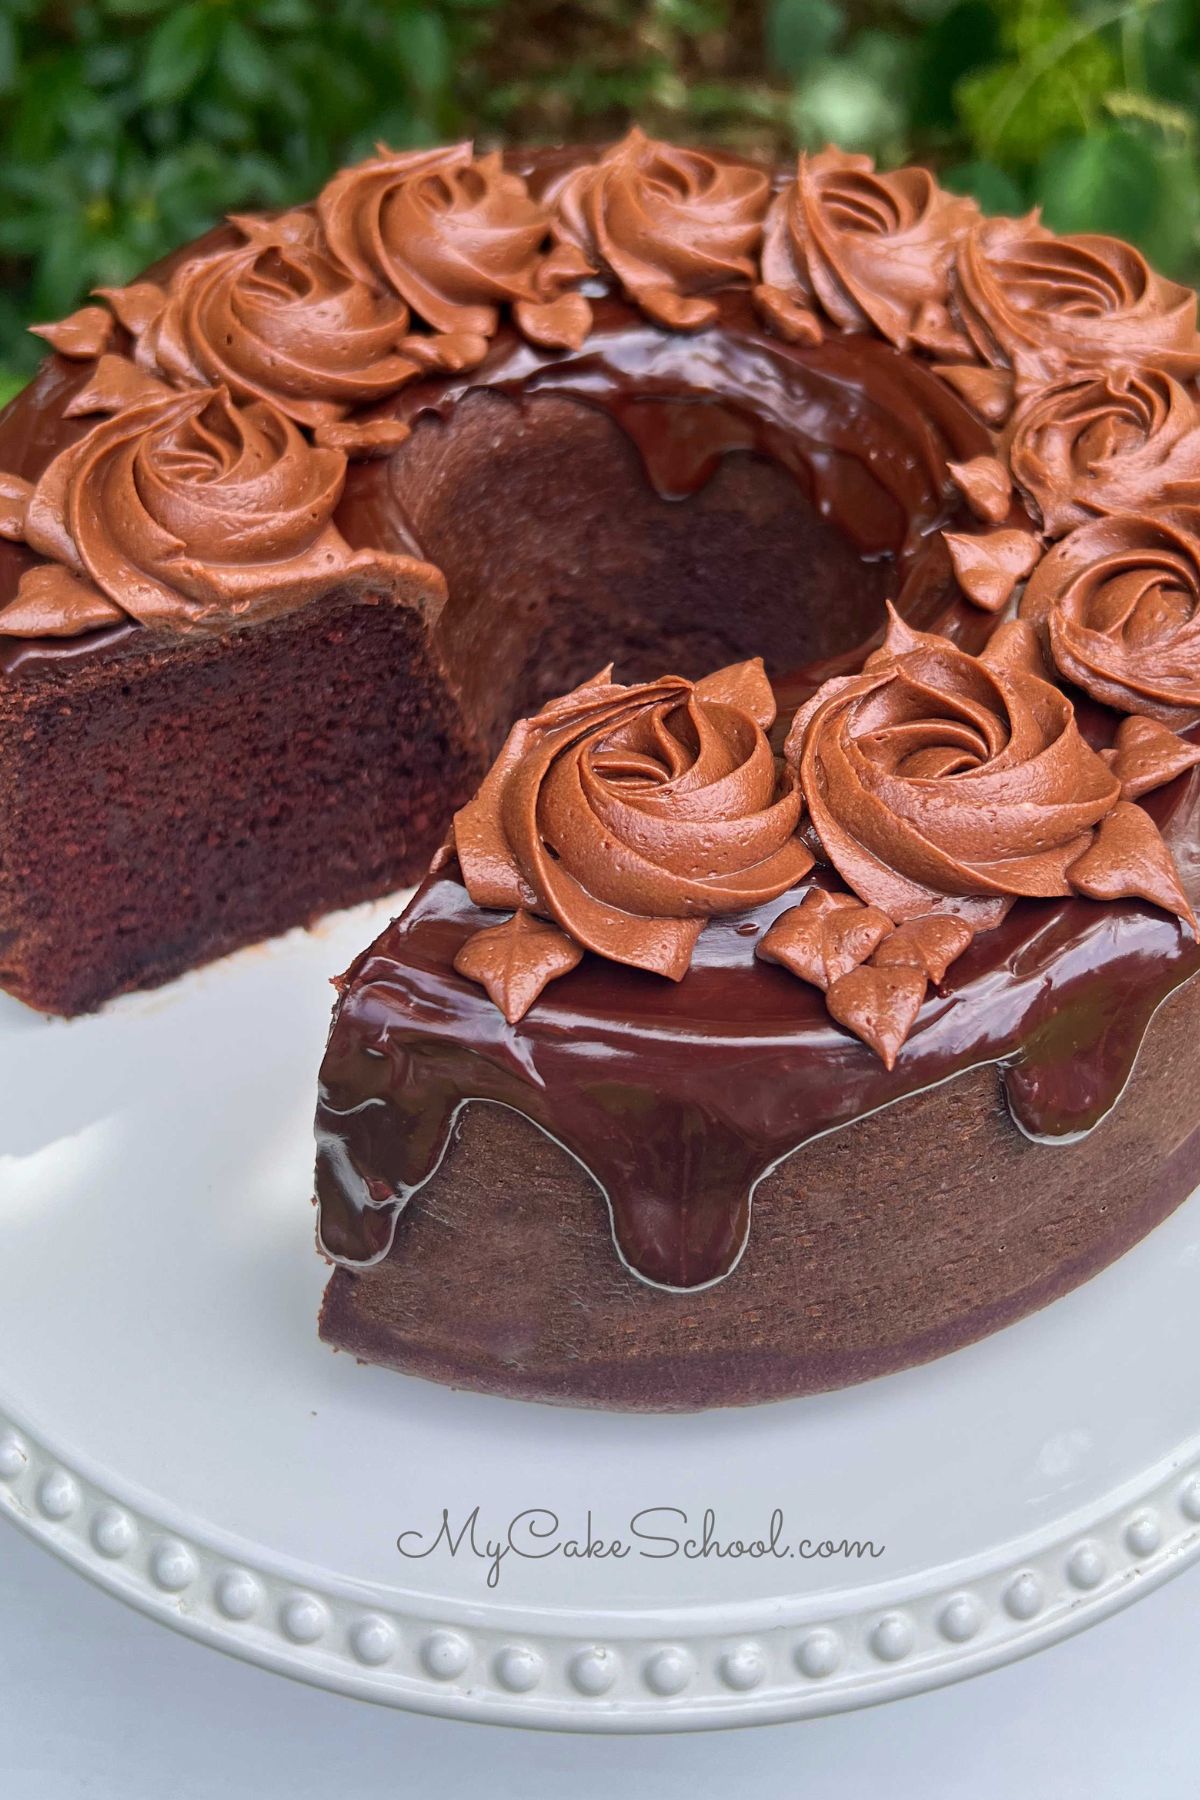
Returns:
<point x="619" y="820"/>
<point x="671" y="225"/>
<point x="187" y="513"/>
<point x="1105" y="442"/>
<point x="942" y="789"/>
<point x="1041" y="305"/>
<point x="1117" y="603"/>
<point x="871" y="250"/>
<point x="456" y="237"/>
<point x="279" y="319"/>
<point x="937" y="783"/>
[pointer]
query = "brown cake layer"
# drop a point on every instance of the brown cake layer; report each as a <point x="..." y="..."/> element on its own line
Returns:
<point x="904" y="1235"/>
<point x="138" y="833"/>
<point x="638" y="412"/>
<point x="611" y="506"/>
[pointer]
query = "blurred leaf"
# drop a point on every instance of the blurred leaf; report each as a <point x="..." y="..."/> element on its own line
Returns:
<point x="1018" y="110"/>
<point x="963" y="39"/>
<point x="286" y="15"/>
<point x="135" y="9"/>
<point x="1104" y="182"/>
<point x="178" y="52"/>
<point x="9" y="54"/>
<point x="424" y="50"/>
<point x="798" y="31"/>
<point x="844" y="105"/>
<point x="245" y="61"/>
<point x="1171" y="238"/>
<point x="994" y="188"/>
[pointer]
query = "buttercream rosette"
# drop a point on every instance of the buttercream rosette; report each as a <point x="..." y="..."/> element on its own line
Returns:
<point x="276" y="318"/>
<point x="871" y="250"/>
<point x="1105" y="442"/>
<point x="1117" y="603"/>
<point x="630" y="816"/>
<point x="185" y="512"/>
<point x="671" y="225"/>
<point x="1043" y="305"/>
<point x="456" y="237"/>
<point x="939" y="782"/>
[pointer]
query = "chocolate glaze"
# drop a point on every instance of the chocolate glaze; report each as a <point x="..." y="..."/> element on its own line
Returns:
<point x="629" y="1072"/>
<point x="866" y="431"/>
<point x="677" y="1099"/>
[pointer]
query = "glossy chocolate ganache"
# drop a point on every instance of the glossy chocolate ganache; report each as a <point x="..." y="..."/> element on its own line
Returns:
<point x="679" y="1095"/>
<point x="698" y="914"/>
<point x="965" y="814"/>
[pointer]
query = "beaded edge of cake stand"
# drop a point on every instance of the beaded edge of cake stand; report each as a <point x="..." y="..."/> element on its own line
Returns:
<point x="642" y="1675"/>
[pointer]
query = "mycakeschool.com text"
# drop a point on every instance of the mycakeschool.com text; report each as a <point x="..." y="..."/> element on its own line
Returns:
<point x="655" y="1533"/>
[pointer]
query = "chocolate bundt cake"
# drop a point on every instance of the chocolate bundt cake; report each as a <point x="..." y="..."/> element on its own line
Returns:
<point x="872" y="914"/>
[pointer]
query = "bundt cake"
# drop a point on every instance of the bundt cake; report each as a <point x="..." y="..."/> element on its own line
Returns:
<point x="863" y="916"/>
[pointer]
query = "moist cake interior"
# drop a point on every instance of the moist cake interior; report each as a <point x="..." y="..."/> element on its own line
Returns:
<point x="648" y="522"/>
<point x="561" y="555"/>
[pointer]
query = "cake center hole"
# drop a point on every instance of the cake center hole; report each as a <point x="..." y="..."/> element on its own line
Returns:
<point x="670" y="531"/>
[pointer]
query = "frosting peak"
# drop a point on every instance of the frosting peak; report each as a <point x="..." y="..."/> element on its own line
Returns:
<point x="629" y="816"/>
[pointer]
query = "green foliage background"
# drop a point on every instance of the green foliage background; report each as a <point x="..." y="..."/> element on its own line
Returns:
<point x="128" y="126"/>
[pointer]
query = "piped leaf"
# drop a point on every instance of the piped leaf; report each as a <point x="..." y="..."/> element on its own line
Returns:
<point x="516" y="960"/>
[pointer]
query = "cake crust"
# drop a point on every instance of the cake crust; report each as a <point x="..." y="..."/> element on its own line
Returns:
<point x="908" y="1234"/>
<point x="298" y="523"/>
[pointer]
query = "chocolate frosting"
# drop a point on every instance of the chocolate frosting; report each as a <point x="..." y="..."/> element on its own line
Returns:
<point x="1105" y="443"/>
<point x="85" y="333"/>
<point x="516" y="959"/>
<point x="456" y="237"/>
<point x="869" y="249"/>
<point x="188" y="513"/>
<point x="1118" y="605"/>
<point x="632" y="1074"/>
<point x="1042" y="305"/>
<point x="937" y="783"/>
<point x="990" y="564"/>
<point x="630" y="1071"/>
<point x="866" y="432"/>
<point x="632" y="815"/>
<point x="277" y="318"/>
<point x="672" y="225"/>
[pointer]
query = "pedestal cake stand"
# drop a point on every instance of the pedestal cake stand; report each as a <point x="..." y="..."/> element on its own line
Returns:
<point x="171" y="1426"/>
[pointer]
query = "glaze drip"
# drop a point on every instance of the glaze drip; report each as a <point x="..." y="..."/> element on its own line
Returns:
<point x="632" y="1074"/>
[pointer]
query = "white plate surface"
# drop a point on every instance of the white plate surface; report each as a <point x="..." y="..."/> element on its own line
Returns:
<point x="171" y="1425"/>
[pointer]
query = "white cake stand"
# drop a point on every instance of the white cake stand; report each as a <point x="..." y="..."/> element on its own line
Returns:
<point x="171" y="1426"/>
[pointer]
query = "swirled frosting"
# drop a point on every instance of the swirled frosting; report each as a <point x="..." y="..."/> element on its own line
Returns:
<point x="1042" y="305"/>
<point x="1118" y="605"/>
<point x="629" y="816"/>
<point x="937" y="783"/>
<point x="188" y="513"/>
<point x="670" y="224"/>
<point x="456" y="237"/>
<point x="278" y="319"/>
<point x="868" y="249"/>
<point x="1105" y="443"/>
